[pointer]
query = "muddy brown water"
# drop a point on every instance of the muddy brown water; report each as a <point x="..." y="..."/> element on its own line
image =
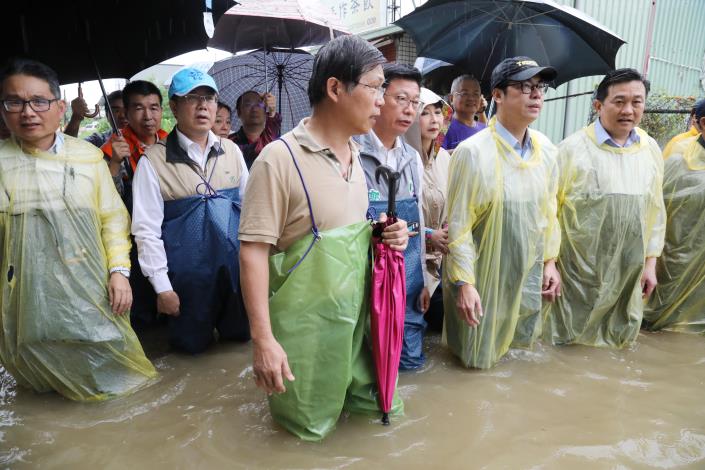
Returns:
<point x="550" y="408"/>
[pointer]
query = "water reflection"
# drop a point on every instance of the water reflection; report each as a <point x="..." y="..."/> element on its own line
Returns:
<point x="550" y="408"/>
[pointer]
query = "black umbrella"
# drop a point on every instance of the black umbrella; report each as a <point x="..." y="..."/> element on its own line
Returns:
<point x="285" y="73"/>
<point x="475" y="35"/>
<point x="85" y="40"/>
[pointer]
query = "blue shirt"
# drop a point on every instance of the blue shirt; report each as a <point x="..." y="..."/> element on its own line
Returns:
<point x="604" y="138"/>
<point x="523" y="150"/>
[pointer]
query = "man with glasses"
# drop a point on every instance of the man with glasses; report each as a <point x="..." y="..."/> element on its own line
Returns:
<point x="64" y="246"/>
<point x="188" y="189"/>
<point x="503" y="232"/>
<point x="305" y="250"/>
<point x="261" y="123"/>
<point x="612" y="217"/>
<point x="385" y="146"/>
<point x="467" y="101"/>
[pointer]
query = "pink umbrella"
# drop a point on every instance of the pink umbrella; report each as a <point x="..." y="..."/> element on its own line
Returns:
<point x="388" y="304"/>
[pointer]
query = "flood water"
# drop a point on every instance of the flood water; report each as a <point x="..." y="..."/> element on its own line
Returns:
<point x="551" y="408"/>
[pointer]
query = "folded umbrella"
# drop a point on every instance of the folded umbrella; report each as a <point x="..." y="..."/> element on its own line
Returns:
<point x="388" y="303"/>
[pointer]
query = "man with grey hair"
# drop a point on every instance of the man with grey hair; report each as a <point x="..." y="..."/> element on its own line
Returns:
<point x="467" y="101"/>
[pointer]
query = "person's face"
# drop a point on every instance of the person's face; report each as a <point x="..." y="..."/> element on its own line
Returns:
<point x="430" y="121"/>
<point x="400" y="106"/>
<point x="360" y="103"/>
<point x="252" y="111"/>
<point x="195" y="116"/>
<point x="144" y="115"/>
<point x="467" y="99"/>
<point x="623" y="108"/>
<point x="118" y="108"/>
<point x="222" y="125"/>
<point x="33" y="128"/>
<point x="518" y="107"/>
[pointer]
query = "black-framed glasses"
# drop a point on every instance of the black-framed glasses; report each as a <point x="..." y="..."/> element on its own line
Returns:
<point x="404" y="101"/>
<point x="378" y="90"/>
<point x="38" y="105"/>
<point x="528" y="87"/>
<point x="194" y="99"/>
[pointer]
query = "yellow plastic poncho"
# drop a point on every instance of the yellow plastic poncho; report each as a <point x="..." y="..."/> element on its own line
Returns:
<point x="502" y="226"/>
<point x="673" y="145"/>
<point x="62" y="226"/>
<point x="678" y="303"/>
<point x="610" y="208"/>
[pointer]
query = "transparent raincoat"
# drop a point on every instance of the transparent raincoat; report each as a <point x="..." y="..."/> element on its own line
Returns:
<point x="62" y="226"/>
<point x="612" y="217"/>
<point x="502" y="226"/>
<point x="678" y="303"/>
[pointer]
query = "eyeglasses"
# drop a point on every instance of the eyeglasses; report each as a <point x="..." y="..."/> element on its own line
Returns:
<point x="39" y="105"/>
<point x="528" y="87"/>
<point x="404" y="101"/>
<point x="253" y="104"/>
<point x="194" y="99"/>
<point x="378" y="90"/>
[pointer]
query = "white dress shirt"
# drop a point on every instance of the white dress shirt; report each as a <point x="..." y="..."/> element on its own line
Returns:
<point x="148" y="210"/>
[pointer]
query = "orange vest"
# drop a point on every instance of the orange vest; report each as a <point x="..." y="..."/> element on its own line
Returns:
<point x="136" y="147"/>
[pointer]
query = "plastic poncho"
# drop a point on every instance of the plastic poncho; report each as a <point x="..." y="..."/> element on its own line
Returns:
<point x="502" y="226"/>
<point x="610" y="208"/>
<point x="678" y="303"/>
<point x="62" y="226"/>
<point x="674" y="145"/>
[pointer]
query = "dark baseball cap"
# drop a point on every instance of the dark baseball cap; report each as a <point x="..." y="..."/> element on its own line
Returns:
<point x="699" y="109"/>
<point x="519" y="69"/>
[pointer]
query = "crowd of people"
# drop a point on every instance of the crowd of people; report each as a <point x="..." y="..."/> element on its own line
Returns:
<point x="215" y="236"/>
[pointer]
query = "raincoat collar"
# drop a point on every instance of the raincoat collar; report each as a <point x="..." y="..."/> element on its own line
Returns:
<point x="603" y="137"/>
<point x="524" y="150"/>
<point x="510" y="152"/>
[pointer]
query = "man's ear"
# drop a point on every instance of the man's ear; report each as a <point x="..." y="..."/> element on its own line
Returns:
<point x="334" y="88"/>
<point x="497" y="95"/>
<point x="172" y="106"/>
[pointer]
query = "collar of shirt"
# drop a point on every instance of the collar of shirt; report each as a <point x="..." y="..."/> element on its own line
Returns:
<point x="194" y="150"/>
<point x="306" y="140"/>
<point x="393" y="156"/>
<point x="603" y="136"/>
<point x="58" y="144"/>
<point x="523" y="150"/>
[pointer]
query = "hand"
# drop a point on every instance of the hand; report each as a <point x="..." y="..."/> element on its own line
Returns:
<point x="424" y="300"/>
<point x="551" y="287"/>
<point x="168" y="303"/>
<point x="469" y="305"/>
<point x="121" y="149"/>
<point x="270" y="104"/>
<point x="270" y="366"/>
<point x="648" y="278"/>
<point x="483" y="105"/>
<point x="79" y="108"/>
<point x="395" y="235"/>
<point x="119" y="293"/>
<point x="439" y="240"/>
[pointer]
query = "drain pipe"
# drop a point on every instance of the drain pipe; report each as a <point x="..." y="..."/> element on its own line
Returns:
<point x="649" y="39"/>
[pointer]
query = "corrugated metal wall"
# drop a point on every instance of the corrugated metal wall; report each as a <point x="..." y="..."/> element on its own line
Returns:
<point x="678" y="49"/>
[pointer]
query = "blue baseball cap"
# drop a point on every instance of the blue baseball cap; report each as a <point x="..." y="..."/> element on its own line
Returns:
<point x="186" y="80"/>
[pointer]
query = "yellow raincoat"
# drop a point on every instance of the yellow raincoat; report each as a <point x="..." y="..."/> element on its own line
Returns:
<point x="678" y="303"/>
<point x="673" y="145"/>
<point x="62" y="226"/>
<point x="502" y="226"/>
<point x="610" y="208"/>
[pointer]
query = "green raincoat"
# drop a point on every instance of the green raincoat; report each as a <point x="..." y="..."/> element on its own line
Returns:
<point x="320" y="315"/>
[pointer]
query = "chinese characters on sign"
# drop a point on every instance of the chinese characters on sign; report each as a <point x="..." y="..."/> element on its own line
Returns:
<point x="358" y="15"/>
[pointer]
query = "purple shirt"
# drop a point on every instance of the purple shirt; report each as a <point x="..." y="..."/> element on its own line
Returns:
<point x="457" y="132"/>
